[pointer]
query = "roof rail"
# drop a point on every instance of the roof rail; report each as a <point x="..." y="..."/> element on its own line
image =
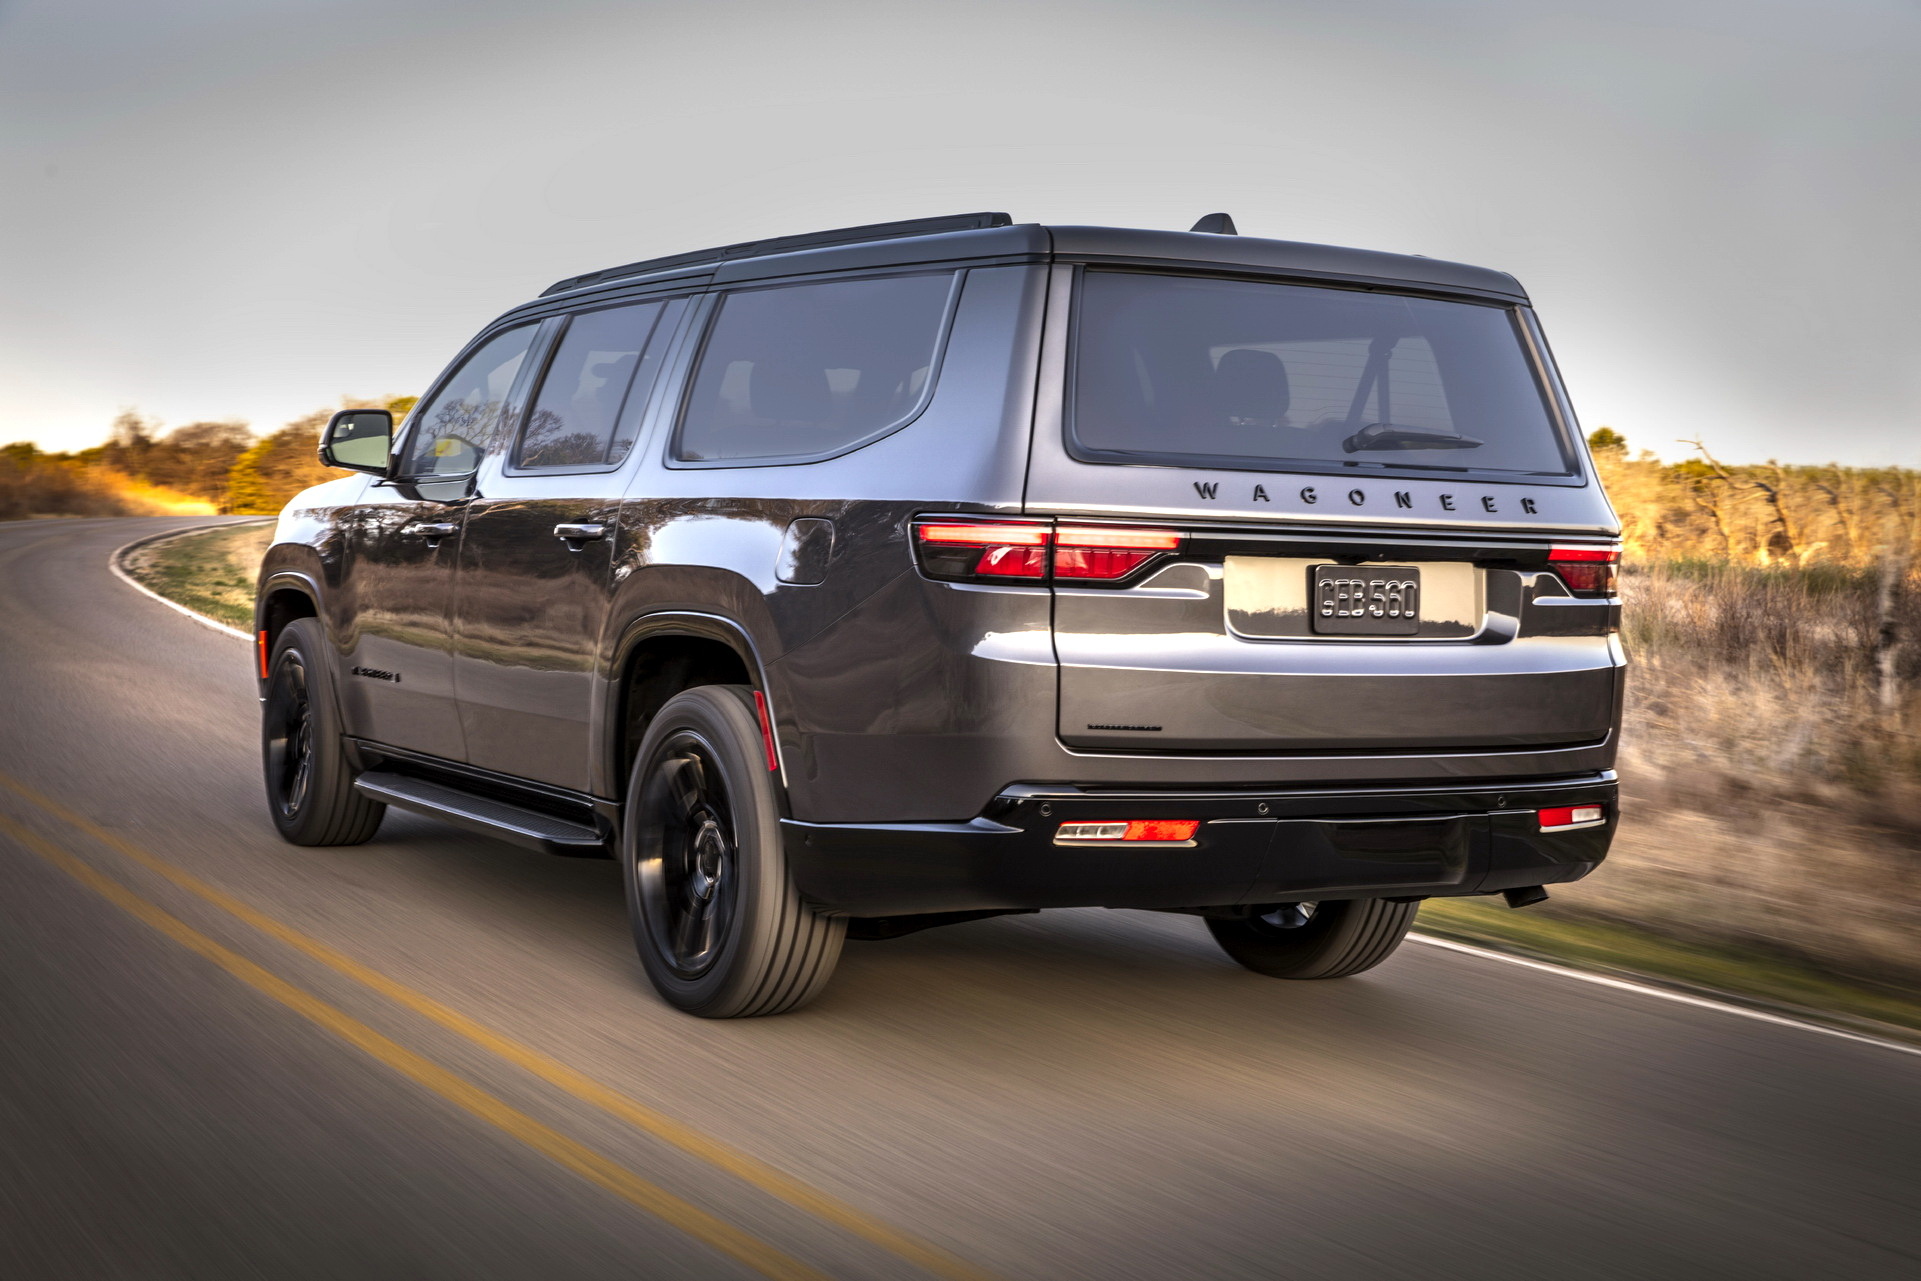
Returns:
<point x="787" y="244"/>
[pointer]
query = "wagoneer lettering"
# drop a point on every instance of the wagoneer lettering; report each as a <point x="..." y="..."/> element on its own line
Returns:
<point x="876" y="579"/>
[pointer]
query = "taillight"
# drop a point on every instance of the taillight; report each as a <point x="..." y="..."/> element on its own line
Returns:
<point x="999" y="551"/>
<point x="986" y="550"/>
<point x="1587" y="571"/>
<point x="1096" y="552"/>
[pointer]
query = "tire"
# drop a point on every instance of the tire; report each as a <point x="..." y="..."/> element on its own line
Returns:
<point x="721" y="930"/>
<point x="310" y="783"/>
<point x="1316" y="940"/>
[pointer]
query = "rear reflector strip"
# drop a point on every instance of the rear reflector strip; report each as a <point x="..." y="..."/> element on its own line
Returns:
<point x="260" y="648"/>
<point x="1568" y="818"/>
<point x="1151" y="831"/>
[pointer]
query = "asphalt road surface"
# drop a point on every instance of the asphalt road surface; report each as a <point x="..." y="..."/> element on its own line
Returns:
<point x="434" y="1056"/>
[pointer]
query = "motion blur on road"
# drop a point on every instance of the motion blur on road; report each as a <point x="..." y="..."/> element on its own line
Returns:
<point x="435" y="1056"/>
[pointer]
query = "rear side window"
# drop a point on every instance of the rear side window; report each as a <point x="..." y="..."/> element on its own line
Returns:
<point x="454" y="430"/>
<point x="802" y="371"/>
<point x="591" y="396"/>
<point x="1228" y="373"/>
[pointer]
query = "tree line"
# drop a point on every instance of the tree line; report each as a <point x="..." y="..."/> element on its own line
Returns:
<point x="1764" y="514"/>
<point x="143" y="467"/>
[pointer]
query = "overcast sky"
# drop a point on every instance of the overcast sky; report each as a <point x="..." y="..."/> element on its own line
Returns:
<point x="249" y="208"/>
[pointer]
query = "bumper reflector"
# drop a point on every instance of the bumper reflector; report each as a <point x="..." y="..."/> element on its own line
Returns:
<point x="1566" y="818"/>
<point x="1157" y="831"/>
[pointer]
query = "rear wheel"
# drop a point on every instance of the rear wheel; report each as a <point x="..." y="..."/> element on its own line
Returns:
<point x="1316" y="940"/>
<point x="310" y="782"/>
<point x="720" y="927"/>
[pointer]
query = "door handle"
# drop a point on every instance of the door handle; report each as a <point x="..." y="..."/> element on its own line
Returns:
<point x="431" y="531"/>
<point x="575" y="535"/>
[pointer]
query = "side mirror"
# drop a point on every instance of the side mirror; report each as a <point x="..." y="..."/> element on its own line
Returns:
<point x="358" y="440"/>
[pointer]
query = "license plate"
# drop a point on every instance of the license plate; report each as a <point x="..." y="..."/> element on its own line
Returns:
<point x="1358" y="600"/>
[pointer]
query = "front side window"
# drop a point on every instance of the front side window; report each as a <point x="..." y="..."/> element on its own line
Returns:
<point x="801" y="371"/>
<point x="590" y="399"/>
<point x="452" y="432"/>
<point x="1190" y="371"/>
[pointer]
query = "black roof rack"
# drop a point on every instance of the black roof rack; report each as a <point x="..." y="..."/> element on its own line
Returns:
<point x="786" y="244"/>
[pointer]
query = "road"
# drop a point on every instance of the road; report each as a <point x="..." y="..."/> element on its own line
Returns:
<point x="434" y="1056"/>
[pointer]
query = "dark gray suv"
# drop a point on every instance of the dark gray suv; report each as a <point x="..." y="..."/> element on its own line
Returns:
<point x="853" y="583"/>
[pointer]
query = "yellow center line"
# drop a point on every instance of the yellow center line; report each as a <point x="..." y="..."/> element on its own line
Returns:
<point x="924" y="1255"/>
<point x="542" y="1138"/>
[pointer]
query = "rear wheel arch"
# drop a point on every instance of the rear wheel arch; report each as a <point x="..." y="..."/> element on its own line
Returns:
<point x="662" y="655"/>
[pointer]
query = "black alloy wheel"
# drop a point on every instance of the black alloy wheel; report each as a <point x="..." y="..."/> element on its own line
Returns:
<point x="720" y="927"/>
<point x="289" y="737"/>
<point x="688" y="875"/>
<point x="310" y="792"/>
<point x="1327" y="940"/>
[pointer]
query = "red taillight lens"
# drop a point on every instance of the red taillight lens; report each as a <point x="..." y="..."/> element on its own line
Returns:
<point x="985" y="550"/>
<point x="1565" y="818"/>
<point x="1162" y="830"/>
<point x="1002" y="550"/>
<point x="1013" y="562"/>
<point x="1587" y="571"/>
<point x="1096" y="552"/>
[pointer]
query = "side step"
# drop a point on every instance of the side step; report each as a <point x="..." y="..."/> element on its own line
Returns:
<point x="484" y="814"/>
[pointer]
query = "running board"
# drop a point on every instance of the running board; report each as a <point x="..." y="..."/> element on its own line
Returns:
<point x="484" y="814"/>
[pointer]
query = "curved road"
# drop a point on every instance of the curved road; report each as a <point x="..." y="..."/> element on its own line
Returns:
<point x="433" y="1056"/>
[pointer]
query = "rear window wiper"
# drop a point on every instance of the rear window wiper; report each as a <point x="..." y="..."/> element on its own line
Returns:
<point x="1395" y="436"/>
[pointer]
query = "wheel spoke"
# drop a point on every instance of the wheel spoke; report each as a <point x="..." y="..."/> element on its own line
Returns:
<point x="690" y="931"/>
<point x="685" y="785"/>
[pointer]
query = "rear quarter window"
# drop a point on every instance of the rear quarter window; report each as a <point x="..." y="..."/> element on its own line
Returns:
<point x="798" y="372"/>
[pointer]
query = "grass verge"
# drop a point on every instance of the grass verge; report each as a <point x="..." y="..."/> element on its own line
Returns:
<point x="210" y="571"/>
<point x="1753" y="978"/>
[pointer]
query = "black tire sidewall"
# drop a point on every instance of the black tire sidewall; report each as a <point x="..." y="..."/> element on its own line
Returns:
<point x="722" y="716"/>
<point x="332" y="808"/>
<point x="1345" y="936"/>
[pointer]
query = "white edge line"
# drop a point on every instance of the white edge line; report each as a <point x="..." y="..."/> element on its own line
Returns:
<point x="1628" y="985"/>
<point x="113" y="563"/>
<point x="1603" y="980"/>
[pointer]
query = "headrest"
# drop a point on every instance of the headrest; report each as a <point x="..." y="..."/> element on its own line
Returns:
<point x="1250" y="384"/>
<point x="615" y="370"/>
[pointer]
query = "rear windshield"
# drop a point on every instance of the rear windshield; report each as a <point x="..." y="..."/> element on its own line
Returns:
<point x="1229" y="373"/>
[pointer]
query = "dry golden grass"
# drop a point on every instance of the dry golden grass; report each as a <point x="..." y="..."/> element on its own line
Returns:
<point x="1771" y="768"/>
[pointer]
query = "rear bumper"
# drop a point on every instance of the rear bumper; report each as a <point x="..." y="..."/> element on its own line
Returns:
<point x="1252" y="847"/>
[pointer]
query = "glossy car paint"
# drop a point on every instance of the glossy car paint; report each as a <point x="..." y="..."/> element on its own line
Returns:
<point x="908" y="710"/>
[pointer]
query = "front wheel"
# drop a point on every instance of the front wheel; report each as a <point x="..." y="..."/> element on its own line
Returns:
<point x="1316" y="940"/>
<point x="721" y="930"/>
<point x="310" y="782"/>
